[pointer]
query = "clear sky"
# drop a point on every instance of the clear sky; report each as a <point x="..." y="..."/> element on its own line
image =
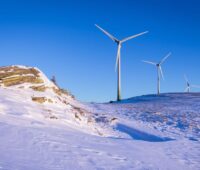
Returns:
<point x="60" y="38"/>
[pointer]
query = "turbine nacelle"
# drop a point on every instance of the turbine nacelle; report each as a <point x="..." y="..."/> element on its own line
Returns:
<point x="118" y="42"/>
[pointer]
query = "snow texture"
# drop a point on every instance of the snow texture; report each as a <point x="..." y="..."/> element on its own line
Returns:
<point x="147" y="132"/>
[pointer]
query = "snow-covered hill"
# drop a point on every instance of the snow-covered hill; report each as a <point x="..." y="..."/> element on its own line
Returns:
<point x="175" y="113"/>
<point x="27" y="94"/>
<point x="43" y="127"/>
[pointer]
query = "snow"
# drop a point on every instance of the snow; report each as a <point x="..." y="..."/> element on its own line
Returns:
<point x="57" y="148"/>
<point x="146" y="132"/>
<point x="44" y="77"/>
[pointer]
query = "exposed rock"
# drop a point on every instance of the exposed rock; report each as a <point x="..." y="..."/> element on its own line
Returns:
<point x="50" y="101"/>
<point x="53" y="117"/>
<point x="34" y="79"/>
<point x="17" y="70"/>
<point x="15" y="75"/>
<point x="39" y="99"/>
<point x="60" y="91"/>
<point x="39" y="88"/>
<point x="10" y="81"/>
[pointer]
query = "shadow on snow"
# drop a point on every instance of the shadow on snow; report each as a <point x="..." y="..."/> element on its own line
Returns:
<point x="139" y="135"/>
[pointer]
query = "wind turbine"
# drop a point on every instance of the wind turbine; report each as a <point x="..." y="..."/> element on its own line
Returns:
<point x="189" y="86"/>
<point x="159" y="70"/>
<point x="118" y="59"/>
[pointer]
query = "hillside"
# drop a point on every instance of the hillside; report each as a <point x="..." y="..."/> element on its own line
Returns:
<point x="173" y="112"/>
<point x="45" y="127"/>
<point x="27" y="93"/>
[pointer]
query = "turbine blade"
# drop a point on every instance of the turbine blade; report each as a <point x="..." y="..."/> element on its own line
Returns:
<point x="133" y="36"/>
<point x="149" y="62"/>
<point x="108" y="34"/>
<point x="186" y="79"/>
<point x="165" y="58"/>
<point x="161" y="72"/>
<point x="118" y="55"/>
<point x="195" y="86"/>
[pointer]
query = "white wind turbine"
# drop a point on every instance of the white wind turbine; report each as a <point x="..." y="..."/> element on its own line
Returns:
<point x="118" y="59"/>
<point x="159" y="70"/>
<point x="189" y="86"/>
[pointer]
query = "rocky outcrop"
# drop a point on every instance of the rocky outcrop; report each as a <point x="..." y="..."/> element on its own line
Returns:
<point x="15" y="75"/>
<point x="28" y="77"/>
<point x="41" y="100"/>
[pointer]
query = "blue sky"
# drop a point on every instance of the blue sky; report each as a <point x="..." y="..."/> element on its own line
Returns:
<point x="60" y="38"/>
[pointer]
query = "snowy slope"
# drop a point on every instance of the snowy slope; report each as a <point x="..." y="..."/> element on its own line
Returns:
<point x="40" y="102"/>
<point x="146" y="132"/>
<point x="174" y="113"/>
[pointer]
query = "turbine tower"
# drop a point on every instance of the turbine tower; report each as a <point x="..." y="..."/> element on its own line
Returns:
<point x="118" y="59"/>
<point x="188" y="85"/>
<point x="159" y="70"/>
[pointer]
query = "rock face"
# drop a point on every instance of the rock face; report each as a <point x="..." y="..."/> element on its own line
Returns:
<point x="28" y="77"/>
<point x="15" y="75"/>
<point x="41" y="99"/>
